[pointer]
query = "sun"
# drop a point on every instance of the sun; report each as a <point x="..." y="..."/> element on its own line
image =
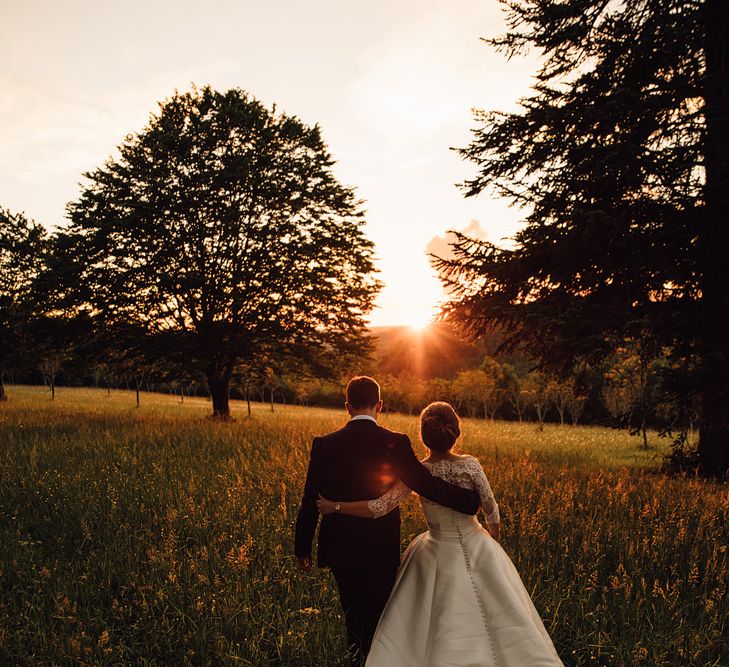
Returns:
<point x="420" y="323"/>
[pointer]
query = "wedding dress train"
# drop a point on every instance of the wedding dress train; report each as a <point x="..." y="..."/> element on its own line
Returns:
<point x="458" y="600"/>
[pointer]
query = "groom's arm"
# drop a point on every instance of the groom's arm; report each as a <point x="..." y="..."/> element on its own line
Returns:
<point x="418" y="478"/>
<point x="308" y="515"/>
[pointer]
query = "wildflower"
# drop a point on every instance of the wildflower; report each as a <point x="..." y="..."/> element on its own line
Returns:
<point x="310" y="611"/>
<point x="238" y="559"/>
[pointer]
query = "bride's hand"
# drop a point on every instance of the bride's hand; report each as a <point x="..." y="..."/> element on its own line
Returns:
<point x="325" y="506"/>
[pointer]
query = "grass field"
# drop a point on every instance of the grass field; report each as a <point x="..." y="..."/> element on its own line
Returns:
<point x="157" y="536"/>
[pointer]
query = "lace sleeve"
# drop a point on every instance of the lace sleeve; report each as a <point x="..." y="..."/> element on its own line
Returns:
<point x="482" y="486"/>
<point x="390" y="500"/>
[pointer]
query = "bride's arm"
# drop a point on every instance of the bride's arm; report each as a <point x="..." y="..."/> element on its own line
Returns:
<point x="367" y="509"/>
<point x="494" y="530"/>
<point x="488" y="501"/>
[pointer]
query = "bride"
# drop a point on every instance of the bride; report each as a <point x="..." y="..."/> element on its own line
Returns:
<point x="458" y="599"/>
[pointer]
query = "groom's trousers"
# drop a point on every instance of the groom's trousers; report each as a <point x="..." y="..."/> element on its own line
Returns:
<point x="363" y="592"/>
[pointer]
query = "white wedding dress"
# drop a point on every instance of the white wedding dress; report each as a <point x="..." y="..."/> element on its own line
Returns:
<point x="458" y="599"/>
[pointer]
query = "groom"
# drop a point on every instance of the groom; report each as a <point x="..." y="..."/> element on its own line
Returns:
<point x="360" y="462"/>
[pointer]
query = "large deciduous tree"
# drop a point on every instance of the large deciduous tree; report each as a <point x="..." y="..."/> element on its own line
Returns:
<point x="620" y="159"/>
<point x="22" y="247"/>
<point x="220" y="230"/>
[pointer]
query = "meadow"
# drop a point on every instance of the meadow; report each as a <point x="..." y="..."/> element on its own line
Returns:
<point x="157" y="536"/>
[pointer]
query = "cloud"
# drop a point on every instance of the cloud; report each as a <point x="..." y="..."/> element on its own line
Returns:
<point x="440" y="246"/>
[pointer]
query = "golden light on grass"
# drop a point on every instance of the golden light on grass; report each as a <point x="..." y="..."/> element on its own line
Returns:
<point x="156" y="534"/>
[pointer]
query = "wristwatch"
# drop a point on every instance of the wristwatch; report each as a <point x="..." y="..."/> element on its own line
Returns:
<point x="337" y="507"/>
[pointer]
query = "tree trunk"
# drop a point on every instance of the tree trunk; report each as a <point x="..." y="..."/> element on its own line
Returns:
<point x="519" y="411"/>
<point x="3" y="395"/>
<point x="540" y="417"/>
<point x="137" y="387"/>
<point x="248" y="402"/>
<point x="271" y="399"/>
<point x="713" y="448"/>
<point x="644" y="431"/>
<point x="53" y="388"/>
<point x="219" y="387"/>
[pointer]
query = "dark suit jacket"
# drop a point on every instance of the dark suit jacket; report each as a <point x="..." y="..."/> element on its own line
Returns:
<point x="360" y="462"/>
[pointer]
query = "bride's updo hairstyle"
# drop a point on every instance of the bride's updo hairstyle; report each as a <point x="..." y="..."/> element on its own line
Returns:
<point x="440" y="426"/>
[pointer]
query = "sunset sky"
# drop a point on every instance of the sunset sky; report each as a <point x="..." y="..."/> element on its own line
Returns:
<point x="392" y="85"/>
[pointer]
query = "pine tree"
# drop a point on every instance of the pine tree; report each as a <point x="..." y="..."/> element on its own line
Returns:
<point x="620" y="159"/>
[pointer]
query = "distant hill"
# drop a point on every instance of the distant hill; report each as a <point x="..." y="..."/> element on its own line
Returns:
<point x="436" y="351"/>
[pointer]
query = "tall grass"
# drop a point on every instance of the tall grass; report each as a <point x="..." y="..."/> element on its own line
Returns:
<point x="157" y="536"/>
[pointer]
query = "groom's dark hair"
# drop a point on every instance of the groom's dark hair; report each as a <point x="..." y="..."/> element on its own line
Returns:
<point x="363" y="392"/>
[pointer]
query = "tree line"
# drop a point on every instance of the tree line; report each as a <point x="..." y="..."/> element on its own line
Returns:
<point x="619" y="392"/>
